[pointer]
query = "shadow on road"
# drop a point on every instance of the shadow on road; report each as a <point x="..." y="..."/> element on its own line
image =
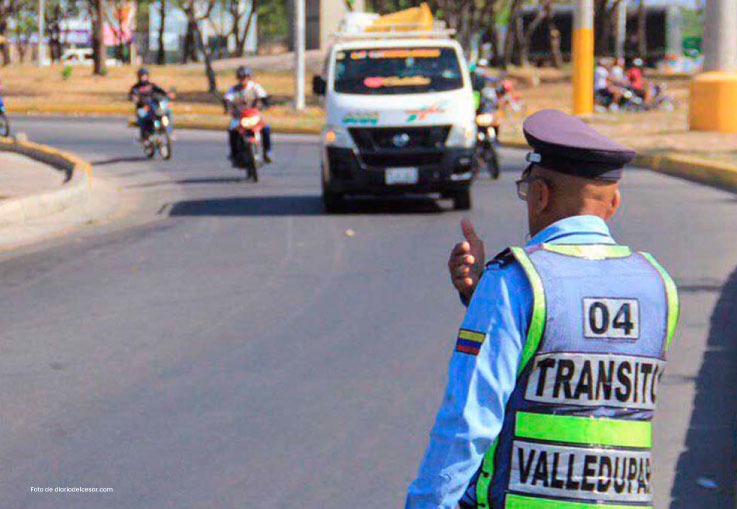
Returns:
<point x="192" y="181"/>
<point x="711" y="442"/>
<point x="299" y="206"/>
<point x="119" y="160"/>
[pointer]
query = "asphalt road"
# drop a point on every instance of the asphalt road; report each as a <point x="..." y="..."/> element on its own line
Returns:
<point x="227" y="345"/>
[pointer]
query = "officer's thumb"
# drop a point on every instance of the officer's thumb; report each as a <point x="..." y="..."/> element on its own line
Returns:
<point x="469" y="232"/>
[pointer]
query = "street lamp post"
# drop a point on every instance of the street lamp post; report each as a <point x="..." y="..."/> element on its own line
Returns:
<point x="714" y="93"/>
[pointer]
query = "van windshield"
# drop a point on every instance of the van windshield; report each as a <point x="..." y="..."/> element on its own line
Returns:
<point x="391" y="71"/>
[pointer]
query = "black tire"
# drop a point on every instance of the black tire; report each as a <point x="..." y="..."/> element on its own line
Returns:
<point x="4" y="125"/>
<point x="492" y="163"/>
<point x="462" y="200"/>
<point x="332" y="202"/>
<point x="165" y="146"/>
<point x="149" y="147"/>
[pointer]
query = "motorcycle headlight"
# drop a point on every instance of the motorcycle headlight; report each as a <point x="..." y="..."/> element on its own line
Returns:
<point x="165" y="120"/>
<point x="484" y="119"/>
<point x="249" y="122"/>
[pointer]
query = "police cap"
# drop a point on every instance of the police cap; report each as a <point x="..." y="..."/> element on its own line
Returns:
<point x="564" y="143"/>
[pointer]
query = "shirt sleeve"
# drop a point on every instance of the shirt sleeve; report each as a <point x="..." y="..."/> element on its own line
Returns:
<point x="229" y="95"/>
<point x="260" y="91"/>
<point x="481" y="377"/>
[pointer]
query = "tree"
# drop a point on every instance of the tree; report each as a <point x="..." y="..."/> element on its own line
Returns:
<point x="642" y="29"/>
<point x="161" y="52"/>
<point x="239" y="30"/>
<point x="99" y="52"/>
<point x="196" y="12"/>
<point x="8" y="9"/>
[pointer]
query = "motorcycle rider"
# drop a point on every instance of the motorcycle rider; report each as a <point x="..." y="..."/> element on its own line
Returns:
<point x="142" y="92"/>
<point x="246" y="94"/>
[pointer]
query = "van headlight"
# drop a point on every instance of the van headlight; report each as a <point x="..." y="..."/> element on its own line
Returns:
<point x="484" y="119"/>
<point x="463" y="136"/>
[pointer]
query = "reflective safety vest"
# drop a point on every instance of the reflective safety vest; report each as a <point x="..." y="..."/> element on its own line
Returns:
<point x="577" y="427"/>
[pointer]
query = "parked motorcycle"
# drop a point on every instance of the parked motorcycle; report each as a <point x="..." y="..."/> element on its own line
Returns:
<point x="157" y="128"/>
<point x="250" y="150"/>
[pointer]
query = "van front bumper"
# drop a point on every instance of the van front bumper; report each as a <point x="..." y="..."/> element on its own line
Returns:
<point x="346" y="171"/>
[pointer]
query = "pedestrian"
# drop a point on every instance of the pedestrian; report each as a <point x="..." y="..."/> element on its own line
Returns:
<point x="554" y="378"/>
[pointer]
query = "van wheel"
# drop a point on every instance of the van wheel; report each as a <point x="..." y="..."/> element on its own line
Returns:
<point x="462" y="200"/>
<point x="332" y="202"/>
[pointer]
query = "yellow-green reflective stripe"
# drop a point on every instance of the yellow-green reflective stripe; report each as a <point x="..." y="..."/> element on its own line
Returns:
<point x="589" y="251"/>
<point x="471" y="335"/>
<point x="674" y="307"/>
<point x="584" y="430"/>
<point x="537" y="323"/>
<point x="534" y="335"/>
<point x="522" y="502"/>
<point x="484" y="480"/>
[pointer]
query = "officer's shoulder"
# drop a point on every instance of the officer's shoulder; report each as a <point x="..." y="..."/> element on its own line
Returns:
<point x="501" y="261"/>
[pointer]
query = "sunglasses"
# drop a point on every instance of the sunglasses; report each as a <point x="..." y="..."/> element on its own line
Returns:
<point x="523" y="184"/>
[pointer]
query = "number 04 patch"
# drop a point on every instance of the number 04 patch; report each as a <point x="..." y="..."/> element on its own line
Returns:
<point x="611" y="318"/>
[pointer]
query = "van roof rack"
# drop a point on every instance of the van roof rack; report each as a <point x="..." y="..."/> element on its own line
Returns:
<point x="439" y="30"/>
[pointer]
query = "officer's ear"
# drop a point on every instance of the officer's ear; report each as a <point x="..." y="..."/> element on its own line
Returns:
<point x="614" y="203"/>
<point x="541" y="195"/>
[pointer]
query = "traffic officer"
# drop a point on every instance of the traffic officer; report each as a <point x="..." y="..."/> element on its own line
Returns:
<point x="554" y="378"/>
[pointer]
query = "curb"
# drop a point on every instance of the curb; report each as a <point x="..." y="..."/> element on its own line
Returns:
<point x="709" y="173"/>
<point x="74" y="191"/>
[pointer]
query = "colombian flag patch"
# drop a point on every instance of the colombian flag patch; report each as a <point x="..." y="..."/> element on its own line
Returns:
<point x="469" y="341"/>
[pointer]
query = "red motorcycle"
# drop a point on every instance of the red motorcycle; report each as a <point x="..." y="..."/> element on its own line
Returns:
<point x="250" y="152"/>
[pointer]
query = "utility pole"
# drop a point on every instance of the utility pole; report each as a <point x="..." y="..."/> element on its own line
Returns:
<point x="714" y="93"/>
<point x="299" y="55"/>
<point x="583" y="58"/>
<point x="41" y="30"/>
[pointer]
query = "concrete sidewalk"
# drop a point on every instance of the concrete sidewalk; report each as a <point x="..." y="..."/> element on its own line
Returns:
<point x="23" y="176"/>
<point x="47" y="193"/>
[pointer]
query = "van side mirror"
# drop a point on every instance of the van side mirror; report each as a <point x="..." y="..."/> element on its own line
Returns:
<point x="319" y="85"/>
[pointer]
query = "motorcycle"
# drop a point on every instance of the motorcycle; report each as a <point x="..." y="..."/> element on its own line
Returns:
<point x="249" y="154"/>
<point x="157" y="127"/>
<point x="487" y="123"/>
<point x="4" y="123"/>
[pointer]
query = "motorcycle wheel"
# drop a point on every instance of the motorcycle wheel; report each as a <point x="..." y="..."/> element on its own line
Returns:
<point x="164" y="145"/>
<point x="4" y="125"/>
<point x="149" y="147"/>
<point x="249" y="162"/>
<point x="492" y="163"/>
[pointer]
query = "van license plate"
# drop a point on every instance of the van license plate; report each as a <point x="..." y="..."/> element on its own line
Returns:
<point x="394" y="176"/>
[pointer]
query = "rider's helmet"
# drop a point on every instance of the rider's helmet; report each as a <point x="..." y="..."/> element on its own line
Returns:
<point x="243" y="72"/>
<point x="142" y="72"/>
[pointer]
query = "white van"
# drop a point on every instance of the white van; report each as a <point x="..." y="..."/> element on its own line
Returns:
<point x="400" y="117"/>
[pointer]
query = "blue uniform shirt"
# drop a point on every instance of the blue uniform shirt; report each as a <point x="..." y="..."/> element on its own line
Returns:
<point x="479" y="386"/>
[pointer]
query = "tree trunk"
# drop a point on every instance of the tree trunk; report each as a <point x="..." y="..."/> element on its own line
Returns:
<point x="526" y="39"/>
<point x="642" y="30"/>
<point x="161" y="52"/>
<point x="212" y="85"/>
<point x="190" y="41"/>
<point x="4" y="45"/>
<point x="241" y="43"/>
<point x="98" y="42"/>
<point x="510" y="39"/>
<point x="556" y="55"/>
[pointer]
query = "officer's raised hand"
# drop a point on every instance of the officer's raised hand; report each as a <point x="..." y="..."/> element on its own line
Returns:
<point x="466" y="263"/>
